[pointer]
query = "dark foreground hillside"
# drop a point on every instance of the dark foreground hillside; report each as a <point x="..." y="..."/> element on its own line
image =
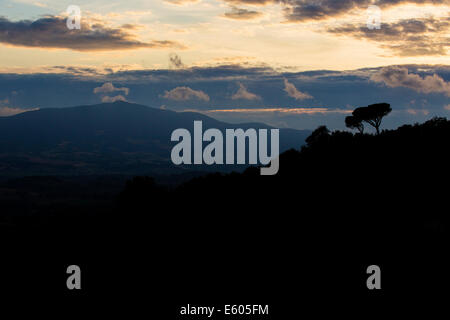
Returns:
<point x="342" y="203"/>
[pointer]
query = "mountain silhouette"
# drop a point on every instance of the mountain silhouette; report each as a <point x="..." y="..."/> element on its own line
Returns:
<point x="116" y="137"/>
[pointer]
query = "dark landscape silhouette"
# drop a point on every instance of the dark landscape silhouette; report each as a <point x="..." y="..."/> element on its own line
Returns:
<point x="341" y="202"/>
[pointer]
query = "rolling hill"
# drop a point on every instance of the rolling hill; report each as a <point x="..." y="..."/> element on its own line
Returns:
<point x="114" y="138"/>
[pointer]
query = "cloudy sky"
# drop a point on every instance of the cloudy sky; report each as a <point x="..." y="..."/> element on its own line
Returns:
<point x="289" y="63"/>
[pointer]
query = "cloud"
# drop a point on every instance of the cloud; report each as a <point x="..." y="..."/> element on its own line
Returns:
<point x="303" y="10"/>
<point x="8" y="111"/>
<point x="184" y="94"/>
<point x="306" y="10"/>
<point x="244" y="94"/>
<point x="299" y="118"/>
<point x="330" y="89"/>
<point x="407" y="37"/>
<point x="181" y="2"/>
<point x="395" y="76"/>
<point x="280" y="110"/>
<point x="292" y="91"/>
<point x="175" y="61"/>
<point x="108" y="99"/>
<point x="416" y="112"/>
<point x="252" y="2"/>
<point x="313" y="10"/>
<point x="39" y="4"/>
<point x="52" y="32"/>
<point x="4" y="101"/>
<point x="108" y="87"/>
<point x="242" y="14"/>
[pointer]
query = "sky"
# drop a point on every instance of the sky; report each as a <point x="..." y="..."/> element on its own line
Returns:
<point x="288" y="63"/>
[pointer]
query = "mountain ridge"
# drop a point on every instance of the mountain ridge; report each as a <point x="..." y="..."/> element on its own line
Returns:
<point x="115" y="137"/>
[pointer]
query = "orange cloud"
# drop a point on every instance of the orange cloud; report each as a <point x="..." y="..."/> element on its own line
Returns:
<point x="184" y="94"/>
<point x="394" y="76"/>
<point x="292" y="91"/>
<point x="244" y="94"/>
<point x="280" y="110"/>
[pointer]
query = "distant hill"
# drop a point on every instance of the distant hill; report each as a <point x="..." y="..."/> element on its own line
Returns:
<point x="118" y="137"/>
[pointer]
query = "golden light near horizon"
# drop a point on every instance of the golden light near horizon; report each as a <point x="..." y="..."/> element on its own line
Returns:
<point x="216" y="32"/>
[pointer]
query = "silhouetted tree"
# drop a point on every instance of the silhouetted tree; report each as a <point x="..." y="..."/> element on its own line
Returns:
<point x="373" y="114"/>
<point x="354" y="123"/>
<point x="317" y="135"/>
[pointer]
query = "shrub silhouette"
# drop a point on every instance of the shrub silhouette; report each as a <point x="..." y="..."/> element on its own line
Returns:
<point x="320" y="134"/>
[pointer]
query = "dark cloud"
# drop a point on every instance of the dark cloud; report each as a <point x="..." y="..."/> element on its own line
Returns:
<point x="251" y="2"/>
<point x="304" y="10"/>
<point x="242" y="14"/>
<point x="408" y="37"/>
<point x="76" y="71"/>
<point x="387" y="3"/>
<point x="52" y="32"/>
<point x="307" y="10"/>
<point x="175" y="61"/>
<point x="233" y="73"/>
<point x="130" y="26"/>
<point x="181" y="90"/>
